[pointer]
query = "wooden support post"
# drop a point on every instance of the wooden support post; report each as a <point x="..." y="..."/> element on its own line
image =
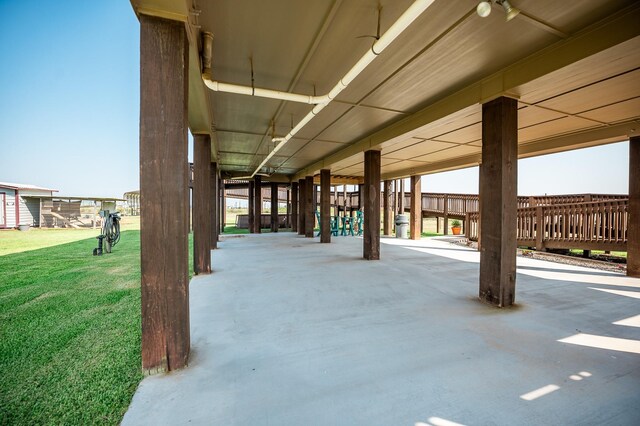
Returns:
<point x="498" y="187"/>
<point x="344" y="200"/>
<point x="371" y="193"/>
<point x="396" y="185"/>
<point x="294" y="206"/>
<point x="288" y="214"/>
<point x="325" y="206"/>
<point x="387" y="217"/>
<point x="164" y="185"/>
<point x="401" y="198"/>
<point x="214" y="204"/>
<point x="445" y="221"/>
<point x="257" y="204"/>
<point x="309" y="212"/>
<point x="252" y="203"/>
<point x="633" y="240"/>
<point x="223" y="207"/>
<point x="336" y="209"/>
<point x="203" y="220"/>
<point x="302" y="210"/>
<point x="416" y="208"/>
<point x="274" y="207"/>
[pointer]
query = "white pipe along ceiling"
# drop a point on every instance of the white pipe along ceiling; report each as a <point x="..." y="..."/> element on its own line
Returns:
<point x="320" y="102"/>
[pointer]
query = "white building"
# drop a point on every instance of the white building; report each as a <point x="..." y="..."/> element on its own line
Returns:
<point x="20" y="204"/>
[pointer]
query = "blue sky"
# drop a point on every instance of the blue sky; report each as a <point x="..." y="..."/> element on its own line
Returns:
<point x="69" y="90"/>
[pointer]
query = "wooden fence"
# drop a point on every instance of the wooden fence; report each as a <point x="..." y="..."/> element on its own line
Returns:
<point x="590" y="225"/>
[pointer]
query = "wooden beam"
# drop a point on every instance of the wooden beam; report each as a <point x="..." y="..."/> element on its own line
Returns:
<point x="416" y="209"/>
<point x="164" y="184"/>
<point x="611" y="31"/>
<point x="371" y="192"/>
<point x="294" y="206"/>
<point x="274" y="207"/>
<point x="387" y="215"/>
<point x="309" y="213"/>
<point x="202" y="212"/>
<point x="498" y="201"/>
<point x="633" y="240"/>
<point x="325" y="206"/>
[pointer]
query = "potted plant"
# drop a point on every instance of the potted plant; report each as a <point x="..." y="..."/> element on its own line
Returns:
<point x="455" y="227"/>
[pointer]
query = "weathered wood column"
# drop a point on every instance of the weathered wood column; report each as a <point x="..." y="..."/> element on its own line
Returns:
<point x="203" y="220"/>
<point x="633" y="240"/>
<point x="401" y="198"/>
<point x="325" y="206"/>
<point x="214" y="205"/>
<point x="274" y="207"/>
<point x="287" y="222"/>
<point x="387" y="217"/>
<point x="223" y="207"/>
<point x="309" y="212"/>
<point x="164" y="185"/>
<point x="498" y="201"/>
<point x="344" y="200"/>
<point x="302" y="205"/>
<point x="257" y="204"/>
<point x="294" y="206"/>
<point x="371" y="195"/>
<point x="252" y="203"/>
<point x="445" y="220"/>
<point x="415" y="218"/>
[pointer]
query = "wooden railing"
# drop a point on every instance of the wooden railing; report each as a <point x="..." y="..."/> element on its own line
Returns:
<point x="594" y="225"/>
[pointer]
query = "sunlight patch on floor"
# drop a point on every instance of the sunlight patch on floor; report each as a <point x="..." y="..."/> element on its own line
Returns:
<point x="631" y="321"/>
<point x="604" y="342"/>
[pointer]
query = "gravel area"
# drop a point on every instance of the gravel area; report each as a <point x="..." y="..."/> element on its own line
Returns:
<point x="609" y="265"/>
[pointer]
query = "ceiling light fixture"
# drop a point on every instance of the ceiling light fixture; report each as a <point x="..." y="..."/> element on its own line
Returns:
<point x="484" y="9"/>
<point x="511" y="11"/>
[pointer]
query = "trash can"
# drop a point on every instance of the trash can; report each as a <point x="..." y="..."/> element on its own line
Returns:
<point x="402" y="225"/>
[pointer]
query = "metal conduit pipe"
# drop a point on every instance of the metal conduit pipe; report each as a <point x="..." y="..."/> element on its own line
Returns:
<point x="320" y="102"/>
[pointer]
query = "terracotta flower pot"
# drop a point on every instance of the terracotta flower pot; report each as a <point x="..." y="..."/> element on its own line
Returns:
<point x="456" y="230"/>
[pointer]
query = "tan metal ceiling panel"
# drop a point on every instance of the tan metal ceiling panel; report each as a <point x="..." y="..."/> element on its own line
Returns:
<point x="532" y="115"/>
<point x="463" y="135"/>
<point x="357" y="123"/>
<point x="613" y="61"/>
<point x="555" y="127"/>
<point x="617" y="112"/>
<point x="233" y="142"/>
<point x="431" y="147"/>
<point x="315" y="148"/>
<point x="465" y="56"/>
<point x="401" y="165"/>
<point x="453" y="122"/>
<point x="457" y="151"/>
<point x="293" y="113"/>
<point x="597" y="95"/>
<point x="418" y="150"/>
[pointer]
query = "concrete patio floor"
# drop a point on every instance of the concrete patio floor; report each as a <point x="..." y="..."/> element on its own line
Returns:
<point x="288" y="331"/>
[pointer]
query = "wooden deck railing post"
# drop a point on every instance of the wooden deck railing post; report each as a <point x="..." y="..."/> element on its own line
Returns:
<point x="446" y="214"/>
<point x="539" y="229"/>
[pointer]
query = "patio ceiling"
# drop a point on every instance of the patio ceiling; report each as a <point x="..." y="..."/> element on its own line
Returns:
<point x="573" y="66"/>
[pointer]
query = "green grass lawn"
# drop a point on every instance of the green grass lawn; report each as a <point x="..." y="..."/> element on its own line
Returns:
<point x="69" y="327"/>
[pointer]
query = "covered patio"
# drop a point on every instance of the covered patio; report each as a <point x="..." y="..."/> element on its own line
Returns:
<point x="293" y="93"/>
<point x="401" y="341"/>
